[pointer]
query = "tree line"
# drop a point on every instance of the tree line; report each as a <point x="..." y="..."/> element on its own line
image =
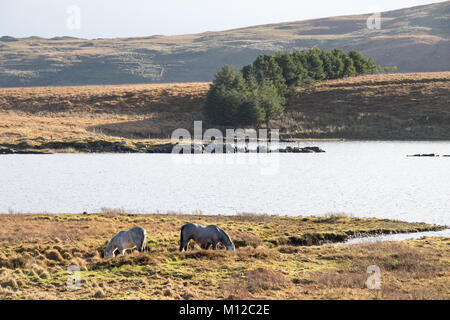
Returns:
<point x="258" y="92"/>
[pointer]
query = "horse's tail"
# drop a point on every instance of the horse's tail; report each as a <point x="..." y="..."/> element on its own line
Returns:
<point x="139" y="235"/>
<point x="181" y="238"/>
<point x="143" y="244"/>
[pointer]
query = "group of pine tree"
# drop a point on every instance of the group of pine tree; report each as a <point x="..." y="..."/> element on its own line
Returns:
<point x="257" y="93"/>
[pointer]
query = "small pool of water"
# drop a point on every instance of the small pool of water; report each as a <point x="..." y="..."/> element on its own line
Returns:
<point x="394" y="237"/>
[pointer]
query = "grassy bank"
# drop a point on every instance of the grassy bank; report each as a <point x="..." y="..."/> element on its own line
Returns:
<point x="275" y="258"/>
<point x="391" y="107"/>
<point x="385" y="107"/>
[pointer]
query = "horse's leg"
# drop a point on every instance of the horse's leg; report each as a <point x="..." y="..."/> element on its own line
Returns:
<point x="184" y="244"/>
<point x="121" y="250"/>
<point x="186" y="247"/>
<point x="214" y="245"/>
<point x="140" y="245"/>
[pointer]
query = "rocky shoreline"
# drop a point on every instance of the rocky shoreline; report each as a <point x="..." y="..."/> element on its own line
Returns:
<point x="123" y="147"/>
<point x="12" y="151"/>
<point x="233" y="148"/>
<point x="427" y="155"/>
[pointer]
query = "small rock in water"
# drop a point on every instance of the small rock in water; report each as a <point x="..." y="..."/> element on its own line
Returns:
<point x="261" y="149"/>
<point x="423" y="155"/>
<point x="290" y="149"/>
<point x="315" y="149"/>
<point x="6" y="151"/>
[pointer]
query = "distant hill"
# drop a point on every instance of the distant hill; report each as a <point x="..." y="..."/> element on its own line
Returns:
<point x="414" y="39"/>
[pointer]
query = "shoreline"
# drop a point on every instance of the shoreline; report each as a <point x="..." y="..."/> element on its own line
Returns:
<point x="103" y="146"/>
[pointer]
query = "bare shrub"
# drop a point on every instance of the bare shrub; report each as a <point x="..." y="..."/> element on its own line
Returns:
<point x="112" y="211"/>
<point x="249" y="216"/>
<point x="338" y="215"/>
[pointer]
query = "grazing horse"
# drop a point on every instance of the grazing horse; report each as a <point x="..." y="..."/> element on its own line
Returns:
<point x="207" y="236"/>
<point x="136" y="237"/>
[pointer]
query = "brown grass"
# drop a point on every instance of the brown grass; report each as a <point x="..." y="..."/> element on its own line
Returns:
<point x="78" y="113"/>
<point x="366" y="107"/>
<point x="36" y="250"/>
<point x="372" y="107"/>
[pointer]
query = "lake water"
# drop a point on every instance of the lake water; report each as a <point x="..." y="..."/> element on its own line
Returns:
<point x="365" y="179"/>
<point x="393" y="237"/>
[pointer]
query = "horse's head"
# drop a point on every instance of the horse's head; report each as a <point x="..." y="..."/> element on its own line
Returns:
<point x="226" y="241"/>
<point x="230" y="247"/>
<point x="109" y="251"/>
<point x="108" y="254"/>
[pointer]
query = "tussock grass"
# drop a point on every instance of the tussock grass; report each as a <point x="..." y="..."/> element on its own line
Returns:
<point x="392" y="106"/>
<point x="37" y="249"/>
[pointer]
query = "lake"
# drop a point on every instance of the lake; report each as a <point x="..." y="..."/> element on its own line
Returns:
<point x="359" y="178"/>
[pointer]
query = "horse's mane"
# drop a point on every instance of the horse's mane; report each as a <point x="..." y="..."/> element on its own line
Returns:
<point x="226" y="236"/>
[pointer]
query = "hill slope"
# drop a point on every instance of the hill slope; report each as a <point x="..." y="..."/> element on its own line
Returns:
<point x="415" y="39"/>
<point x="389" y="106"/>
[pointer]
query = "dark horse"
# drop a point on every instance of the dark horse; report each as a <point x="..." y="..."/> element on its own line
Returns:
<point x="205" y="235"/>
